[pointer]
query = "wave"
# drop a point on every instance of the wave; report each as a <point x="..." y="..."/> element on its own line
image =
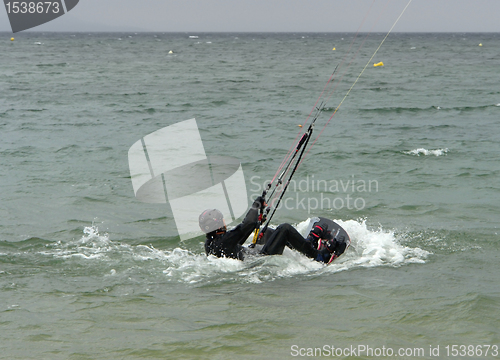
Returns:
<point x="425" y="152"/>
<point x="369" y="248"/>
<point x="25" y="245"/>
<point x="50" y="65"/>
<point x="219" y="102"/>
<point x="398" y="110"/>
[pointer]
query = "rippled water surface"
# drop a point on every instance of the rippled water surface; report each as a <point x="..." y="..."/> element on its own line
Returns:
<point x="408" y="166"/>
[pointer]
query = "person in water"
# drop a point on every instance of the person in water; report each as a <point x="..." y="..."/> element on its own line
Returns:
<point x="318" y="245"/>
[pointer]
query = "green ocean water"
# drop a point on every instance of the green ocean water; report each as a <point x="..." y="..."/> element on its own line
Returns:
<point x="408" y="165"/>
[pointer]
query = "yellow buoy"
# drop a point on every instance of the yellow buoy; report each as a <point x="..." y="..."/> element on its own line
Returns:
<point x="170" y="52"/>
<point x="333" y="49"/>
<point x="379" y="64"/>
<point x="480" y="44"/>
<point x="11" y="39"/>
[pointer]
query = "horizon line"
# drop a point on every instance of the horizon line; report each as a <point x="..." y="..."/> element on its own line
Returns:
<point x="252" y="32"/>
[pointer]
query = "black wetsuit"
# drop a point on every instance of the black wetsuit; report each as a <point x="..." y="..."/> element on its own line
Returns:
<point x="284" y="235"/>
<point x="229" y="244"/>
<point x="287" y="235"/>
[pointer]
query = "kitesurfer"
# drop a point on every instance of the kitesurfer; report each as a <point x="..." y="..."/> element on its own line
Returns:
<point x="222" y="243"/>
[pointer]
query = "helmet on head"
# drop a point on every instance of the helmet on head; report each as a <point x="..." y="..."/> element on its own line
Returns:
<point x="211" y="220"/>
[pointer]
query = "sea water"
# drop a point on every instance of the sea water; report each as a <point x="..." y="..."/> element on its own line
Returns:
<point x="408" y="166"/>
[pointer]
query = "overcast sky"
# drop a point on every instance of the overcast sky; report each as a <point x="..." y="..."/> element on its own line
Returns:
<point x="275" y="16"/>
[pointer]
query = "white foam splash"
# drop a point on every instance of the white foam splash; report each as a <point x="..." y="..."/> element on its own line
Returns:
<point x="92" y="245"/>
<point x="369" y="248"/>
<point x="379" y="247"/>
<point x="425" y="152"/>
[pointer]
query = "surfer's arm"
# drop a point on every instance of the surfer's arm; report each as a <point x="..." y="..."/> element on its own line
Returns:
<point x="249" y="223"/>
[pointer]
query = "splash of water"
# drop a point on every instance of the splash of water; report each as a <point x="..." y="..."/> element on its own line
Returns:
<point x="425" y="152"/>
<point x="369" y="248"/>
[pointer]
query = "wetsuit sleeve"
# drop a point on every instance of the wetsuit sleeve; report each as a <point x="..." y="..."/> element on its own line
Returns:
<point x="240" y="233"/>
<point x="250" y="221"/>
